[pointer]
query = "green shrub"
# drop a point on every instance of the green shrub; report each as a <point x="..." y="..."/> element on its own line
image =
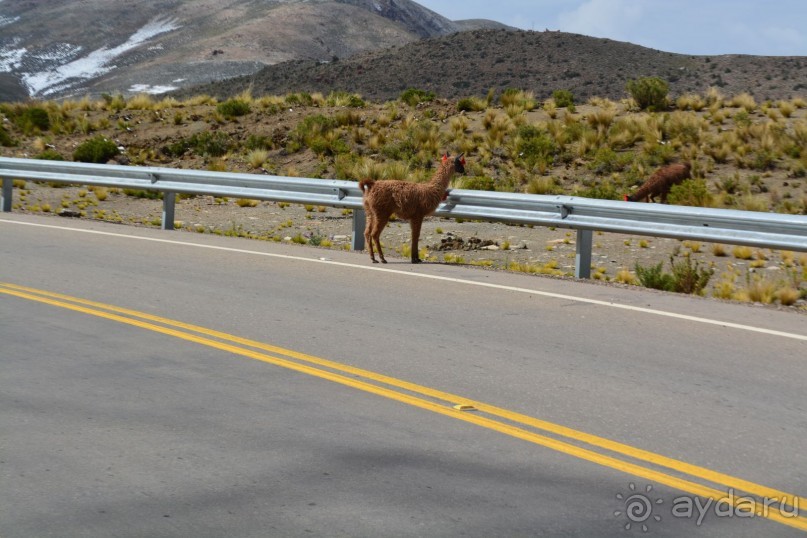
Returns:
<point x="650" y="93"/>
<point x="603" y="190"/>
<point x="764" y="159"/>
<point x="534" y="147"/>
<point x="96" y="150"/>
<point x="149" y="195"/>
<point x="298" y="99"/>
<point x="341" y="98"/>
<point x="692" y="192"/>
<point x="209" y="144"/>
<point x="233" y="107"/>
<point x="686" y="277"/>
<point x="564" y="98"/>
<point x="176" y="149"/>
<point x="50" y="155"/>
<point x="5" y="138"/>
<point x="607" y="161"/>
<point x="654" y="277"/>
<point x="471" y="104"/>
<point x="205" y="144"/>
<point x="33" y="119"/>
<point x="478" y="183"/>
<point x="413" y="96"/>
<point x="258" y="142"/>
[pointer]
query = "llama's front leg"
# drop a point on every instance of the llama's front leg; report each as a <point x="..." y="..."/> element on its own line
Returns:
<point x="415" y="223"/>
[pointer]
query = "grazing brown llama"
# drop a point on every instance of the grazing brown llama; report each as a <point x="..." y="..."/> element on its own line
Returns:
<point x="409" y="201"/>
<point x="660" y="183"/>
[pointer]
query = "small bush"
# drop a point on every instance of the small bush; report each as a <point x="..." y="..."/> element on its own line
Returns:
<point x="413" y="96"/>
<point x="692" y="192"/>
<point x="650" y="93"/>
<point x="563" y="98"/>
<point x="5" y="138"/>
<point x="542" y="185"/>
<point x="210" y="144"/>
<point x="33" y="119"/>
<point x="654" y="277"/>
<point x="50" y="155"/>
<point x="233" y="108"/>
<point x="686" y="277"/>
<point x="689" y="277"/>
<point x="101" y="193"/>
<point x="96" y="150"/>
<point x="471" y="104"/>
<point x="477" y="183"/>
<point x="534" y="147"/>
<point x="341" y="98"/>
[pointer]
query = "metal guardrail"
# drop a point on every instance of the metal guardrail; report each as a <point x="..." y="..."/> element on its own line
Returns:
<point x="764" y="230"/>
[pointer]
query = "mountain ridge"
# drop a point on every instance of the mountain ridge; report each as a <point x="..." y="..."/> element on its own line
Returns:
<point x="46" y="50"/>
<point x="473" y="62"/>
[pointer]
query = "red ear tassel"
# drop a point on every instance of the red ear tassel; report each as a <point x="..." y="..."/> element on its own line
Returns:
<point x="445" y="157"/>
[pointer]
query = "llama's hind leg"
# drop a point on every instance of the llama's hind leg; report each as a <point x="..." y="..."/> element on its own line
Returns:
<point x="368" y="235"/>
<point x="378" y="227"/>
<point x="415" y="224"/>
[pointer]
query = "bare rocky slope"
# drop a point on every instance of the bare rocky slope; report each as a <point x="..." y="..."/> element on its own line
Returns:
<point x="470" y="63"/>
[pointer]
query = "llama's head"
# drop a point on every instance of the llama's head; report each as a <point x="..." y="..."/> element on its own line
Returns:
<point x="459" y="162"/>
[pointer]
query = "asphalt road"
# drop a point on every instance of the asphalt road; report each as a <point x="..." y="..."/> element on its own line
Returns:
<point x="173" y="384"/>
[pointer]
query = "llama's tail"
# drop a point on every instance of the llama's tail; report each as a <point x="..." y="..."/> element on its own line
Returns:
<point x="366" y="184"/>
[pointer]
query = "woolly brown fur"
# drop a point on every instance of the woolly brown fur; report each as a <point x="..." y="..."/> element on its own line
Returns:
<point x="409" y="201"/>
<point x="661" y="182"/>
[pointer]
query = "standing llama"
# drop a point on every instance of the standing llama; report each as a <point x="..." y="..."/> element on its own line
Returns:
<point x="660" y="183"/>
<point x="409" y="201"/>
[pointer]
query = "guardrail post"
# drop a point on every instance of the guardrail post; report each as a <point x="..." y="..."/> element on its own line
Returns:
<point x="169" y="199"/>
<point x="359" y="223"/>
<point x="582" y="258"/>
<point x="5" y="199"/>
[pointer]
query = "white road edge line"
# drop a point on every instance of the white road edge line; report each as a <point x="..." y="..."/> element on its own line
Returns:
<point x="597" y="302"/>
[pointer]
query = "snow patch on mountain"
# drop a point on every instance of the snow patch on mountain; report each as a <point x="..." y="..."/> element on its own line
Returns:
<point x="153" y="90"/>
<point x="10" y="57"/>
<point x="8" y="20"/>
<point x="94" y="64"/>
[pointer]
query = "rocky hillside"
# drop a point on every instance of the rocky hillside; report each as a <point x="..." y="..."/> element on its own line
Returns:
<point x="470" y="63"/>
<point x="63" y="48"/>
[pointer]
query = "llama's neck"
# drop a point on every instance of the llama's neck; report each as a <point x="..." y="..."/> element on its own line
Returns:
<point x="644" y="190"/>
<point x="443" y="176"/>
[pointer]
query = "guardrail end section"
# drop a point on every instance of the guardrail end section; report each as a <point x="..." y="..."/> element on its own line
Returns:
<point x="359" y="223"/>
<point x="6" y="196"/>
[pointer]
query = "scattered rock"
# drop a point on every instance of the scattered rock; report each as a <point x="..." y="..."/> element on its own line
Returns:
<point x="452" y="242"/>
<point x="69" y="213"/>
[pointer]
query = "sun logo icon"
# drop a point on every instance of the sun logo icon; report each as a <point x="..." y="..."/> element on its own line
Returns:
<point x="638" y="507"/>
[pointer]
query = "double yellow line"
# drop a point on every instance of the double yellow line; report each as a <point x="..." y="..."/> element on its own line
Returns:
<point x="640" y="463"/>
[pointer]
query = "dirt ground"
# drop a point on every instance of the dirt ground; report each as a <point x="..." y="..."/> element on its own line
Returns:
<point x="486" y="245"/>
